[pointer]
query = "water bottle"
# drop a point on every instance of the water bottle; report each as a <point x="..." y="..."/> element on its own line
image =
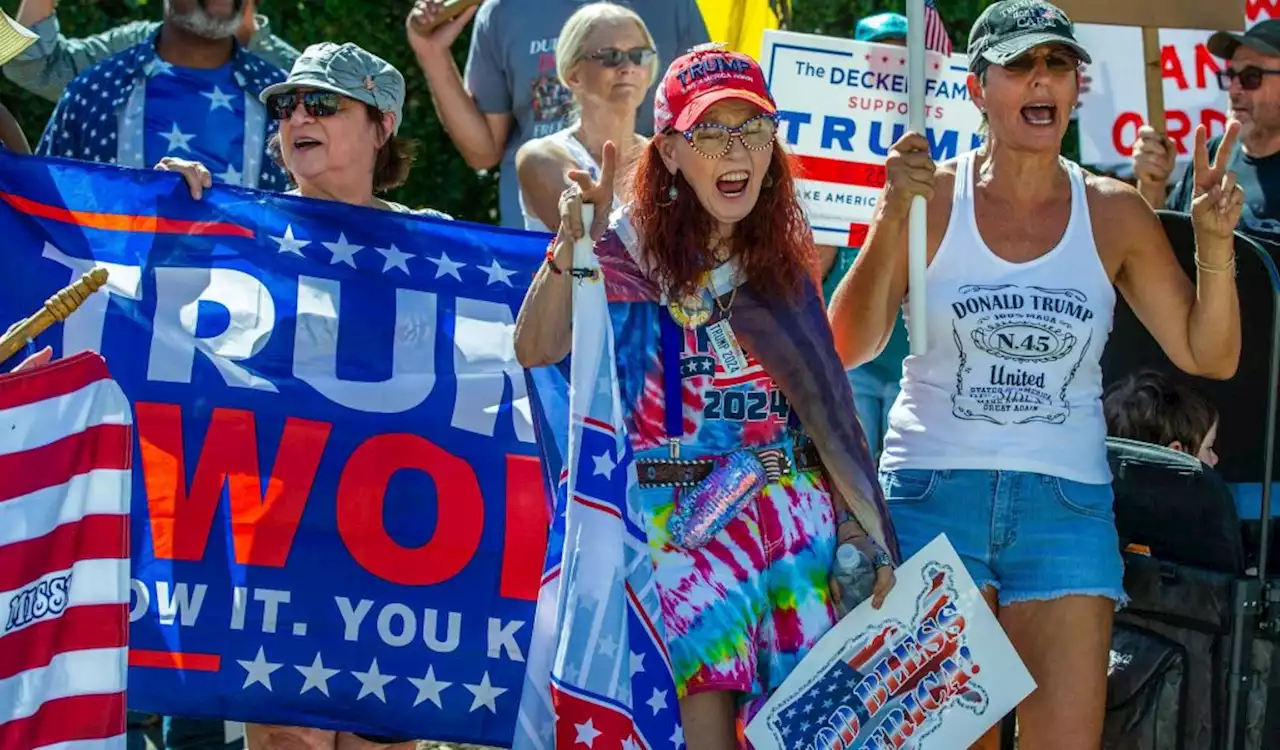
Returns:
<point x="856" y="576"/>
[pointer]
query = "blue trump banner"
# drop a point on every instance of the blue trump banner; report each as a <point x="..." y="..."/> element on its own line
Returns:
<point x="339" y="516"/>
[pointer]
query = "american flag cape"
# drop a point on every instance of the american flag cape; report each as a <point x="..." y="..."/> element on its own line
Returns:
<point x="65" y="450"/>
<point x="598" y="672"/>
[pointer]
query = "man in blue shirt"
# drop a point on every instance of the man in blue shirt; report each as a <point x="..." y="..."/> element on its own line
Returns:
<point x="190" y="91"/>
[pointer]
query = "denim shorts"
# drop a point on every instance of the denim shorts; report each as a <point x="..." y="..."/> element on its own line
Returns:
<point x="1033" y="537"/>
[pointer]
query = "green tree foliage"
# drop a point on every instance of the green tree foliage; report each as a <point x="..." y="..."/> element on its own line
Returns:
<point x="440" y="179"/>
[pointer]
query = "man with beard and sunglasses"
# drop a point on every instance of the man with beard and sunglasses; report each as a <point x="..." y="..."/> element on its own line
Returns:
<point x="1251" y="78"/>
<point x="47" y="67"/>
<point x="189" y="91"/>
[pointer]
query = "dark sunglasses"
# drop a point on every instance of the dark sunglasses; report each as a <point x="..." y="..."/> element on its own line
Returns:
<point x="1057" y="63"/>
<point x="713" y="140"/>
<point x="1250" y="77"/>
<point x="612" y="57"/>
<point x="316" y="103"/>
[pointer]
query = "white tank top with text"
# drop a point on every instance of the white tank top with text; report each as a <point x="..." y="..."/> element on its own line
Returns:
<point x="1012" y="379"/>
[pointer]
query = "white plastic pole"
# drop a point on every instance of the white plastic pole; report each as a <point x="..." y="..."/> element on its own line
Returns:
<point x="918" y="226"/>
<point x="584" y="248"/>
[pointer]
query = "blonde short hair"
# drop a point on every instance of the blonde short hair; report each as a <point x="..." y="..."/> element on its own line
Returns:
<point x="574" y="33"/>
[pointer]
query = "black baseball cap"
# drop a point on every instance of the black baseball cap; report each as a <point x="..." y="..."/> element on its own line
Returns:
<point x="1263" y="37"/>
<point x="1009" y="29"/>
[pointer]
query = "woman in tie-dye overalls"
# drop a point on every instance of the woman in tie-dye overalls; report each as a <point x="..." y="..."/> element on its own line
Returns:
<point x="727" y="370"/>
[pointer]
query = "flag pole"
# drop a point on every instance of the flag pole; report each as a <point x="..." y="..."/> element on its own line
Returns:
<point x="54" y="310"/>
<point x="584" y="248"/>
<point x="917" y="227"/>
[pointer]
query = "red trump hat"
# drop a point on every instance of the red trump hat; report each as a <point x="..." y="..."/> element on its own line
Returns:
<point x="700" y="78"/>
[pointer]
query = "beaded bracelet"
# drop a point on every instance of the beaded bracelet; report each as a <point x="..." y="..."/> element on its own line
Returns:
<point x="577" y="273"/>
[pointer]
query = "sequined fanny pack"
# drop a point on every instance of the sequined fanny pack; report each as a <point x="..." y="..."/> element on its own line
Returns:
<point x="702" y="511"/>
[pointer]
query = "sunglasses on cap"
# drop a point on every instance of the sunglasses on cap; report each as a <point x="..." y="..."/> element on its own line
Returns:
<point x="612" y="57"/>
<point x="316" y="103"/>
<point x="713" y="140"/>
<point x="1057" y="63"/>
<point x="1250" y="77"/>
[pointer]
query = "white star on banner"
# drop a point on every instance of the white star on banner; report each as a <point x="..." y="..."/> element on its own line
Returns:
<point x="445" y="265"/>
<point x="677" y="737"/>
<point x="429" y="688"/>
<point x="607" y="646"/>
<point x="290" y="244"/>
<point x="587" y="733"/>
<point x="217" y="99"/>
<point x="258" y="670"/>
<point x="231" y="176"/>
<point x="395" y="258"/>
<point x="630" y="744"/>
<point x="657" y="701"/>
<point x="637" y="663"/>
<point x="373" y="682"/>
<point x="604" y="465"/>
<point x="178" y="139"/>
<point x="497" y="274"/>
<point x="343" y="251"/>
<point x="317" y="676"/>
<point x="485" y="694"/>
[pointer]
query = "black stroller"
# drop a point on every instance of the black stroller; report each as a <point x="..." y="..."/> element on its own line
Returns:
<point x="1195" y="663"/>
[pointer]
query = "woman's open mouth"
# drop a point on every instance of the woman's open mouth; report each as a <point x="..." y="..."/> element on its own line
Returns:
<point x="733" y="184"/>
<point x="1040" y="115"/>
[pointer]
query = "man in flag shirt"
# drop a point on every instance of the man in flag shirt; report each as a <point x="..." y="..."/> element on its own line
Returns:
<point x="190" y="91"/>
<point x="727" y="388"/>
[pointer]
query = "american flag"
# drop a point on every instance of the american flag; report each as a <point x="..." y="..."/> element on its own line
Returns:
<point x="936" y="38"/>
<point x="65" y="450"/>
<point x="598" y="672"/>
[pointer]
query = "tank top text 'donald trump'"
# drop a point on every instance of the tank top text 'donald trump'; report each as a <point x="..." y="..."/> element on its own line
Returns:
<point x="1012" y="379"/>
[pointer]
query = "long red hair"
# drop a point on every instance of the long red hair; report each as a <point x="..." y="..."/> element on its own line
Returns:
<point x="773" y="245"/>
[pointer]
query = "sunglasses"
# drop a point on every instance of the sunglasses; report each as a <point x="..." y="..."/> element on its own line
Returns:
<point x="612" y="57"/>
<point x="1250" y="77"/>
<point x="316" y="103"/>
<point x="714" y="140"/>
<point x="1057" y="63"/>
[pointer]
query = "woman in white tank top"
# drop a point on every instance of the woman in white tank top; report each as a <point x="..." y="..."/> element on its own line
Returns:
<point x="997" y="438"/>
<point x="605" y="56"/>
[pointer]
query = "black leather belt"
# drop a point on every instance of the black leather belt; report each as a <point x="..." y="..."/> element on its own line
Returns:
<point x="678" y="472"/>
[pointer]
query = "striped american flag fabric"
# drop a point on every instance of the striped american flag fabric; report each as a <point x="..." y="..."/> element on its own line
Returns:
<point x="936" y="38"/>
<point x="598" y="672"/>
<point x="65" y="454"/>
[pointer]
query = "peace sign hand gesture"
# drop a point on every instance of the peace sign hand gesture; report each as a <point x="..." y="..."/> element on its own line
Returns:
<point x="1217" y="201"/>
<point x="598" y="193"/>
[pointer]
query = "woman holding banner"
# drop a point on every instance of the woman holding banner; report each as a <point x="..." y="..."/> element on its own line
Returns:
<point x="607" y="58"/>
<point x="339" y="111"/>
<point x="747" y="476"/>
<point x="998" y="436"/>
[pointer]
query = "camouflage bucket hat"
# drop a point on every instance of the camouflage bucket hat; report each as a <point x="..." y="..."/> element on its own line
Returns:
<point x="348" y="70"/>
